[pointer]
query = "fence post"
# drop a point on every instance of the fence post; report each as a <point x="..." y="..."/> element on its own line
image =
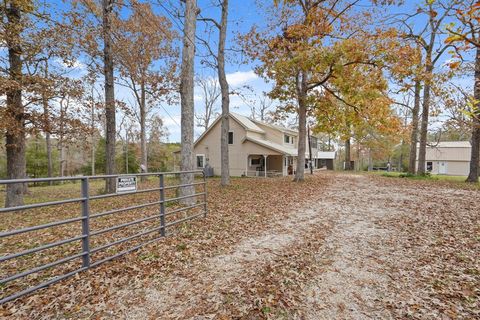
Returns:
<point x="205" y="193"/>
<point x="85" y="223"/>
<point x="162" y="205"/>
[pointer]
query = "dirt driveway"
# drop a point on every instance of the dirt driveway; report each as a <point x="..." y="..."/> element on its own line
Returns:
<point x="357" y="247"/>
<point x="360" y="270"/>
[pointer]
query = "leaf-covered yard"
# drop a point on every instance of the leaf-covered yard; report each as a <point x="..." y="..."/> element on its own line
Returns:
<point x="338" y="246"/>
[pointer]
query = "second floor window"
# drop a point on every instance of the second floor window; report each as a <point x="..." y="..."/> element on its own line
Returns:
<point x="288" y="139"/>
<point x="230" y="137"/>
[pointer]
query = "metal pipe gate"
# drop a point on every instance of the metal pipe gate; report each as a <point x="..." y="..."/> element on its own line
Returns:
<point x="85" y="218"/>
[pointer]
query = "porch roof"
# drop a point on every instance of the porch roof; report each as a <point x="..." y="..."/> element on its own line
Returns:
<point x="273" y="146"/>
<point x="326" y="154"/>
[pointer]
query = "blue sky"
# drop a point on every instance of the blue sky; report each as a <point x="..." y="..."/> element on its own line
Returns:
<point x="243" y="14"/>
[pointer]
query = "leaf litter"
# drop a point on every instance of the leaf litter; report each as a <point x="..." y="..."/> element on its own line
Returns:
<point x="335" y="246"/>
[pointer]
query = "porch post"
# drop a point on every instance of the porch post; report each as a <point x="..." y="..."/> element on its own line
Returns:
<point x="246" y="167"/>
<point x="265" y="158"/>
<point x="284" y="166"/>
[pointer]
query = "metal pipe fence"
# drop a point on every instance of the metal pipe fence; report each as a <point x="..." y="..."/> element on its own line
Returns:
<point x="86" y="216"/>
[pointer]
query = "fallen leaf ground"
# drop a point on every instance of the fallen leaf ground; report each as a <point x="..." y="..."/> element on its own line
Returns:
<point x="338" y="246"/>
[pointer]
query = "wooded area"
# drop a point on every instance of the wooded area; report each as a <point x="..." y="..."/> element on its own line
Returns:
<point x="89" y="90"/>
<point x="369" y="75"/>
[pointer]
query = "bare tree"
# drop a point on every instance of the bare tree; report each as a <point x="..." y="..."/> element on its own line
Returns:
<point x="414" y="133"/>
<point x="260" y="105"/>
<point x="225" y="174"/>
<point x="187" y="101"/>
<point x="219" y="64"/>
<point x="427" y="39"/>
<point x="47" y="127"/>
<point x="147" y="63"/>
<point x="262" y="109"/>
<point x="64" y="104"/>
<point x="210" y="92"/>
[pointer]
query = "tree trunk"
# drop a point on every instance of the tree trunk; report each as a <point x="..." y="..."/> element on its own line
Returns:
<point x="475" y="155"/>
<point x="109" y="95"/>
<point x="47" y="126"/>
<point x="225" y="127"/>
<point x="370" y="160"/>
<point x="93" y="159"/>
<point x="357" y="163"/>
<point x="61" y="145"/>
<point x="143" y="134"/>
<point x="310" y="164"/>
<point x="126" y="152"/>
<point x="48" y="141"/>
<point x="93" y="137"/>
<point x="348" y="162"/>
<point x="412" y="161"/>
<point x="61" y="148"/>
<point x="187" y="102"/>
<point x="15" y="111"/>
<point x="301" y="86"/>
<point x="425" y="113"/>
<point x="400" y="158"/>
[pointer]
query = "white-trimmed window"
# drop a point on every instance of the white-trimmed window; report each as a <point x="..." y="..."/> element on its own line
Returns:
<point x="255" y="161"/>
<point x="429" y="166"/>
<point x="288" y="139"/>
<point x="200" y="160"/>
<point x="230" y="137"/>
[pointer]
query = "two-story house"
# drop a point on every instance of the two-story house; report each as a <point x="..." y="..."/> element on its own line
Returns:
<point x="256" y="148"/>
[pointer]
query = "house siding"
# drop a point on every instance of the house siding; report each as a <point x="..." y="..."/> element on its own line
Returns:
<point x="262" y="140"/>
<point x="448" y="154"/>
<point x="456" y="159"/>
<point x="209" y="145"/>
<point x="274" y="135"/>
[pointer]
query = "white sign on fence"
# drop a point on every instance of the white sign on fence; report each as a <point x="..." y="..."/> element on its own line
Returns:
<point x="126" y="184"/>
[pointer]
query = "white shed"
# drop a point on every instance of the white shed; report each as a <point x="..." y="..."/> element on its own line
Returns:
<point x="448" y="158"/>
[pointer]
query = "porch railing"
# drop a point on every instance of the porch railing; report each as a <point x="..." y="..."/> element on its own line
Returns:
<point x="261" y="174"/>
<point x="169" y="206"/>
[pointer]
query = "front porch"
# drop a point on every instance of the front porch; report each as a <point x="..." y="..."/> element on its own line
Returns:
<point x="269" y="165"/>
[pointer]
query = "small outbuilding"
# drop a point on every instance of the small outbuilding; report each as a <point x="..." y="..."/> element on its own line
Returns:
<point x="448" y="158"/>
<point x="325" y="160"/>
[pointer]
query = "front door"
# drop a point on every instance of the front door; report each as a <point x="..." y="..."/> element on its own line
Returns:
<point x="442" y="167"/>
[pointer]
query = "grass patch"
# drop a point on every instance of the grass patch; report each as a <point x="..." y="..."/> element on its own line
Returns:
<point x="428" y="176"/>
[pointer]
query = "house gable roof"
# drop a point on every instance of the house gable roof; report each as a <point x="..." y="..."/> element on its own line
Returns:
<point x="245" y="122"/>
<point x="276" y="127"/>
<point x="250" y="125"/>
<point x="449" y="144"/>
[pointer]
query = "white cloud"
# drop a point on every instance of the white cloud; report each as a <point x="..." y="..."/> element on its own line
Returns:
<point x="235" y="81"/>
<point x="173" y="121"/>
<point x="239" y="78"/>
<point x="76" y="64"/>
